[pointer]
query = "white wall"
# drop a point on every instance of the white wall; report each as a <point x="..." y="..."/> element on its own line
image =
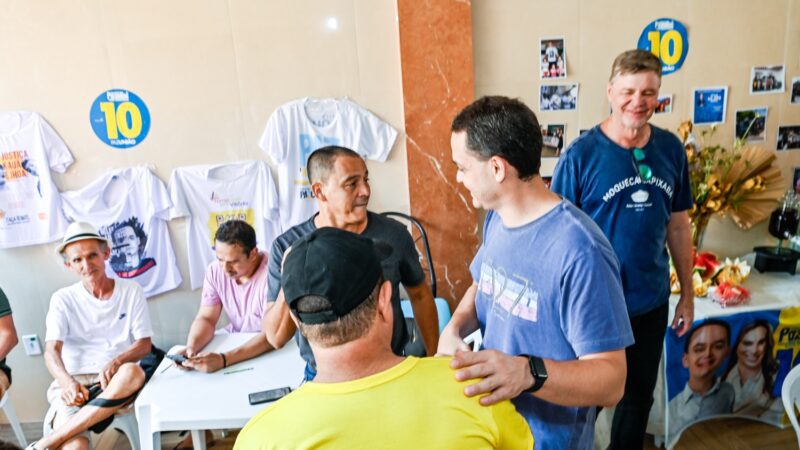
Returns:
<point x="211" y="73"/>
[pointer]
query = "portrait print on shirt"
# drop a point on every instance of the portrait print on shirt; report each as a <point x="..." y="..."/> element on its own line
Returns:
<point x="130" y="208"/>
<point x="128" y="255"/>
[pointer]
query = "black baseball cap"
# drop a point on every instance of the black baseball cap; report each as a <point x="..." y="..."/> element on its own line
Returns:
<point x="338" y="265"/>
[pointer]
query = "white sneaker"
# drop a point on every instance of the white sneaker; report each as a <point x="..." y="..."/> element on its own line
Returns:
<point x="32" y="446"/>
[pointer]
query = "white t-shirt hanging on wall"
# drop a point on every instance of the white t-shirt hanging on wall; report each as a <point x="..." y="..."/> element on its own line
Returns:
<point x="301" y="126"/>
<point x="130" y="207"/>
<point x="30" y="205"/>
<point x="213" y="194"/>
<point x="96" y="331"/>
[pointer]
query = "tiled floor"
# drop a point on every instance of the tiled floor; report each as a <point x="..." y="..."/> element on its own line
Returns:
<point x="722" y="434"/>
<point x="114" y="440"/>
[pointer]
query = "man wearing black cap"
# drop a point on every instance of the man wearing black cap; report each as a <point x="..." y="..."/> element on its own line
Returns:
<point x="334" y="287"/>
<point x="340" y="183"/>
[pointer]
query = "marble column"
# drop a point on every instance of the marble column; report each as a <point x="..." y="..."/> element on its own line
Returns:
<point x="436" y="61"/>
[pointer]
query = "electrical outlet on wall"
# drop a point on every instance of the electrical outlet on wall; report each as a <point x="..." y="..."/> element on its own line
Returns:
<point x="31" y="343"/>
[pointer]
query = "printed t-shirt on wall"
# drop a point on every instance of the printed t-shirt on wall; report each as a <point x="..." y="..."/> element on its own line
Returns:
<point x="30" y="205"/>
<point x="212" y="194"/>
<point x="301" y="126"/>
<point x="130" y="207"/>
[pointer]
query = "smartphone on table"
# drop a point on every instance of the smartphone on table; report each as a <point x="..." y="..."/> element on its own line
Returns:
<point x="269" y="395"/>
<point x="177" y="358"/>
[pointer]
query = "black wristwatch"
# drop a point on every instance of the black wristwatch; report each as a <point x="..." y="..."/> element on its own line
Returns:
<point x="538" y="372"/>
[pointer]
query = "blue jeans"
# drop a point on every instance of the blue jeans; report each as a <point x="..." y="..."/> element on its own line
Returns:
<point x="630" y="417"/>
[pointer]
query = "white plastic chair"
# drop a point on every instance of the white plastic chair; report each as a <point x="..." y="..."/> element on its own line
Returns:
<point x="11" y="415"/>
<point x="126" y="423"/>
<point x="790" y="393"/>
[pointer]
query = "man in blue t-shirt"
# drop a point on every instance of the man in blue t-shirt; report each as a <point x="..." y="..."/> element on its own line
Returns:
<point x="632" y="179"/>
<point x="546" y="292"/>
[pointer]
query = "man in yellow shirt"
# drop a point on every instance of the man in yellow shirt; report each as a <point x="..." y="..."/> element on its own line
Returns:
<point x="364" y="396"/>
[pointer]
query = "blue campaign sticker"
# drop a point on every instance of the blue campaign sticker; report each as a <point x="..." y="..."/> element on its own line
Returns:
<point x="120" y="118"/>
<point x="667" y="39"/>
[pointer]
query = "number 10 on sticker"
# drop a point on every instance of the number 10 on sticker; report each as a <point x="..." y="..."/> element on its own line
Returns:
<point x="668" y="40"/>
<point x="117" y="122"/>
<point x="120" y="118"/>
<point x="668" y="47"/>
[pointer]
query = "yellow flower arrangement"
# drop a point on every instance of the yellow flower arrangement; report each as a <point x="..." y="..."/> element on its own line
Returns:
<point x="741" y="181"/>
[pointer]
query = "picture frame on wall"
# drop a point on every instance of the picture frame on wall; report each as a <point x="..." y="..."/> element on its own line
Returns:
<point x="553" y="58"/>
<point x="795" y="98"/>
<point x="558" y="97"/>
<point x="796" y="180"/>
<point x="664" y="104"/>
<point x="553" y="139"/>
<point x="709" y="105"/>
<point x="767" y="79"/>
<point x="788" y="137"/>
<point x="753" y="123"/>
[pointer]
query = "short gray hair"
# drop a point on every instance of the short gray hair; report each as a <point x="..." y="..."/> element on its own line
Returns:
<point x="350" y="327"/>
<point x="635" y="61"/>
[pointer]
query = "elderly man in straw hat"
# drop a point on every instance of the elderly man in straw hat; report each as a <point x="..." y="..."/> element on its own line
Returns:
<point x="97" y="331"/>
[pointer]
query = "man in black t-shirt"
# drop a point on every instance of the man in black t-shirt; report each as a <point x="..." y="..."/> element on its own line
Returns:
<point x="340" y="183"/>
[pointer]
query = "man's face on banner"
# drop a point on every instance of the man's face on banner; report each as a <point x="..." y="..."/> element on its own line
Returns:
<point x="707" y="349"/>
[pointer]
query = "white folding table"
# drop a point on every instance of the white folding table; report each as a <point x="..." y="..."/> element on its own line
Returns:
<point x="188" y="400"/>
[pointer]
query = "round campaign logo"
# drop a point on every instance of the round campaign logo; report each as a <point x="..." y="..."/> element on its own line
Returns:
<point x="667" y="39"/>
<point x="120" y="118"/>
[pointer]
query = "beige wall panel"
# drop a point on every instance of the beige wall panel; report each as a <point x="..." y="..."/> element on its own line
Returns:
<point x="726" y="39"/>
<point x="211" y="74"/>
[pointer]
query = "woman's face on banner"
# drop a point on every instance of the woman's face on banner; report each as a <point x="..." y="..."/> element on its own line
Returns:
<point x="750" y="351"/>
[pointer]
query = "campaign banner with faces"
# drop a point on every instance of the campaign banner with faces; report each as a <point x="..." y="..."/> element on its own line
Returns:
<point x="731" y="365"/>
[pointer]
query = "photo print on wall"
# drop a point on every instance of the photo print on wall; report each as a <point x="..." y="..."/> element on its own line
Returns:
<point x="789" y="137"/>
<point x="709" y="105"/>
<point x="753" y="123"/>
<point x="767" y="79"/>
<point x="664" y="104"/>
<point x="795" y="90"/>
<point x="558" y="97"/>
<point x="553" y="136"/>
<point x="553" y="58"/>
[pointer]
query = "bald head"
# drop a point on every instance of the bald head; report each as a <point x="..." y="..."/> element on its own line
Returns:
<point x="320" y="163"/>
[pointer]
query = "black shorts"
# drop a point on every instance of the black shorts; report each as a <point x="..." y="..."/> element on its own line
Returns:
<point x="6" y="370"/>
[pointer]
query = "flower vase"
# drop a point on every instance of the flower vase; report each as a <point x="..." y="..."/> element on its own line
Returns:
<point x="699" y="225"/>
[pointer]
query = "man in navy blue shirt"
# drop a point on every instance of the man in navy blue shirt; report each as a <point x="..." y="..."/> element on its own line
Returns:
<point x="546" y="292"/>
<point x="632" y="178"/>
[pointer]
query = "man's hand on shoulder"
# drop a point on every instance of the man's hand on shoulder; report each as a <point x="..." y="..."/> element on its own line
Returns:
<point x="205" y="362"/>
<point x="74" y="393"/>
<point x="502" y="376"/>
<point x="107" y="372"/>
